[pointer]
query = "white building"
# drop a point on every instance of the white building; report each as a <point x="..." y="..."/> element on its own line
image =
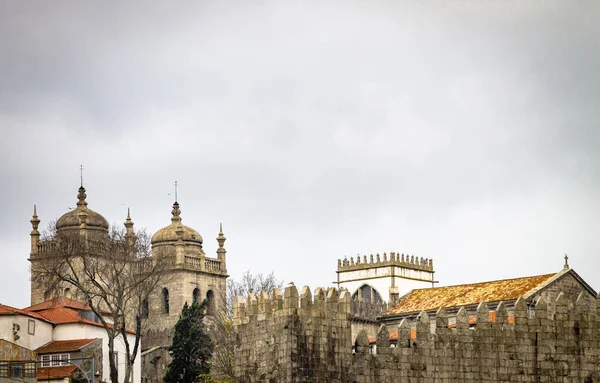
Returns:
<point x="384" y="279"/>
<point x="59" y="334"/>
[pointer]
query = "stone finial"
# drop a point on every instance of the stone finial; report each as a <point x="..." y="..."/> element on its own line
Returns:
<point x="403" y="332"/>
<point x="402" y="257"/>
<point x="385" y="257"/>
<point x="221" y="238"/>
<point x="277" y="299"/>
<point x="306" y="298"/>
<point x="521" y="308"/>
<point x="339" y="263"/>
<point x="483" y="313"/>
<point x="371" y="258"/>
<point x="541" y="308"/>
<point x="319" y="299"/>
<point x="441" y="318"/>
<point x="252" y="304"/>
<point x="345" y="302"/>
<point x="176" y="213"/>
<point x="393" y="256"/>
<point x="264" y="303"/>
<point x="423" y="317"/>
<point x="35" y="222"/>
<point x="462" y="318"/>
<point x="561" y="305"/>
<point x="501" y="313"/>
<point x="412" y="259"/>
<point x="290" y="297"/>
<point x="583" y="304"/>
<point x="364" y="259"/>
<point x="239" y="308"/>
<point x="332" y="295"/>
<point x="378" y="258"/>
<point x="383" y="337"/>
<point x="81" y="196"/>
<point x="362" y="339"/>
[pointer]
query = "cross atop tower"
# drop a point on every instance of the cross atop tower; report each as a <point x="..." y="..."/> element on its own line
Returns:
<point x="175" y="191"/>
<point x="566" y="261"/>
<point x="81" y="173"/>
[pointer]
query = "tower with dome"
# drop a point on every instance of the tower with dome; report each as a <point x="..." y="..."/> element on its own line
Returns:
<point x="192" y="274"/>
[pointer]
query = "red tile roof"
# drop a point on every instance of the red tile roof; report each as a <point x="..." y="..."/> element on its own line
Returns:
<point x="65" y="345"/>
<point x="46" y="373"/>
<point x="63" y="315"/>
<point x="469" y="294"/>
<point x="61" y="302"/>
<point x="8" y="310"/>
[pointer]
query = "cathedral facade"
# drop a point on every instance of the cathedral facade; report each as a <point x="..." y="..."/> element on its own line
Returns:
<point x="192" y="275"/>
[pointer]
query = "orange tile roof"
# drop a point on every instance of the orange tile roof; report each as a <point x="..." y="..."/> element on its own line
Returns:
<point x="63" y="315"/>
<point x="8" y="310"/>
<point x="469" y="294"/>
<point x="61" y="302"/>
<point x="65" y="345"/>
<point x="46" y="373"/>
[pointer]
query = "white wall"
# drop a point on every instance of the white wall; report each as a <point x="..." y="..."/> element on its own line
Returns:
<point x="42" y="335"/>
<point x="380" y="278"/>
<point x="82" y="331"/>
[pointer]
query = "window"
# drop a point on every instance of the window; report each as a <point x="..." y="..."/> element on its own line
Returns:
<point x="16" y="369"/>
<point x="30" y="370"/>
<point x="54" y="360"/>
<point x="3" y="369"/>
<point x="367" y="294"/>
<point x="31" y="327"/>
<point x="145" y="308"/>
<point x="165" y="293"/>
<point x="195" y="295"/>
<point x="210" y="308"/>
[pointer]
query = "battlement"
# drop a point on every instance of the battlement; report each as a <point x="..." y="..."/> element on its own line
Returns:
<point x="295" y="338"/>
<point x="395" y="259"/>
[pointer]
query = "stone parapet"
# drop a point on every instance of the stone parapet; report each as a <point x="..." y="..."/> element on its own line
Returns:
<point x="395" y="259"/>
<point x="296" y="338"/>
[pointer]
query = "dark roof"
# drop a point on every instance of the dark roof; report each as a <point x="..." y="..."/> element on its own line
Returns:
<point x="65" y="345"/>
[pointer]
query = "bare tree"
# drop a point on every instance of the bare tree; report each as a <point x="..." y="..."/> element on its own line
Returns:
<point x="113" y="273"/>
<point x="223" y="360"/>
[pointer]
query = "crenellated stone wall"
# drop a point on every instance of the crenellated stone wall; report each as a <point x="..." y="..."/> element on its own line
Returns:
<point x="301" y="338"/>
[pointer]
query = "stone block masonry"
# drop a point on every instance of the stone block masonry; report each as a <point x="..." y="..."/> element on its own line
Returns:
<point x="305" y="338"/>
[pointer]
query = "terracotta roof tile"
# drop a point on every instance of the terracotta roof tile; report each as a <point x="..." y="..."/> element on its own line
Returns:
<point x="63" y="315"/>
<point x="65" y="345"/>
<point x="45" y="373"/>
<point x="8" y="310"/>
<point x="462" y="295"/>
<point x="61" y="302"/>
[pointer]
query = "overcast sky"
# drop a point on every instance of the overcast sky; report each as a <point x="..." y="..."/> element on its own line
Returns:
<point x="466" y="132"/>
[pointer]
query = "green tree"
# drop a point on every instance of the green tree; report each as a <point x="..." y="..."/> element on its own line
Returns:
<point x="192" y="348"/>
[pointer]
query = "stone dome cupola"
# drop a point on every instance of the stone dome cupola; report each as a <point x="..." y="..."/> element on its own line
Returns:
<point x="169" y="235"/>
<point x="82" y="215"/>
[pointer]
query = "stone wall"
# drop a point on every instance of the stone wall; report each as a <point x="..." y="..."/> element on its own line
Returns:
<point x="301" y="339"/>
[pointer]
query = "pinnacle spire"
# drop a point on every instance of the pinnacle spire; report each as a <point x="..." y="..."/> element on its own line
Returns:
<point x="221" y="239"/>
<point x="34" y="219"/>
<point x="128" y="221"/>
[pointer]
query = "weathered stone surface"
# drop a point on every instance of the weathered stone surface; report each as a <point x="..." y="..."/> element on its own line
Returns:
<point x="314" y="344"/>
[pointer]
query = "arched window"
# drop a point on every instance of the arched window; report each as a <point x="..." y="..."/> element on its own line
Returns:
<point x="145" y="310"/>
<point x="210" y="308"/>
<point x="367" y="293"/>
<point x="165" y="296"/>
<point x="195" y="295"/>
